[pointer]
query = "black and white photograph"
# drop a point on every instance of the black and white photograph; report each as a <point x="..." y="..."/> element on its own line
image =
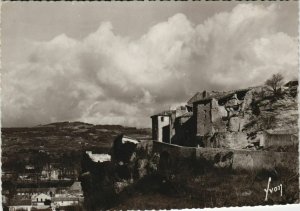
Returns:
<point x="149" y="105"/>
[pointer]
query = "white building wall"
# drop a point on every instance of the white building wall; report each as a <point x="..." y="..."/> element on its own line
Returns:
<point x="65" y="203"/>
<point x="162" y="122"/>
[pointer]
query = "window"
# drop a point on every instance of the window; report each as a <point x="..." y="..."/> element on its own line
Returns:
<point x="162" y="118"/>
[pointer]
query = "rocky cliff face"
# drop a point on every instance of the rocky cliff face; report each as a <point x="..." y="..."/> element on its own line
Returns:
<point x="265" y="111"/>
<point x="269" y="112"/>
<point x="248" y="116"/>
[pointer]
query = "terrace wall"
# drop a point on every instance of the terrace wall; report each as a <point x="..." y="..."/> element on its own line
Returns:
<point x="280" y="140"/>
<point x="246" y="160"/>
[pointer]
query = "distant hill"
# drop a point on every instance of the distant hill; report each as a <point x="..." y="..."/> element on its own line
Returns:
<point x="60" y="138"/>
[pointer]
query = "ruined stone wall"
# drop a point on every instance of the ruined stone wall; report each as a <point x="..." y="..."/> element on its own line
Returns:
<point x="249" y="160"/>
<point x="246" y="160"/>
<point x="204" y="125"/>
<point x="132" y="161"/>
<point x="235" y="109"/>
<point x="280" y="140"/>
<point x="218" y="117"/>
<point x="230" y="140"/>
<point x="256" y="160"/>
<point x="227" y="119"/>
<point x="173" y="150"/>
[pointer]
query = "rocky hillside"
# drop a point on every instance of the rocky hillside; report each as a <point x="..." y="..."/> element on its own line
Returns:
<point x="272" y="112"/>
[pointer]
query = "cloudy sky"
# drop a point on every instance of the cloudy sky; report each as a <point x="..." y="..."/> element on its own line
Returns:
<point x="121" y="62"/>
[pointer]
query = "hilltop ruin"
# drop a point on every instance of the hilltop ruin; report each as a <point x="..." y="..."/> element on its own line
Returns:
<point x="236" y="140"/>
<point x="235" y="119"/>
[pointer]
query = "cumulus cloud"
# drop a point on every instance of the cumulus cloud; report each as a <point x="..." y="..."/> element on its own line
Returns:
<point x="109" y="79"/>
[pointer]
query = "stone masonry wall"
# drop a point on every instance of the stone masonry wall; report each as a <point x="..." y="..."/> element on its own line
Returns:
<point x="204" y="126"/>
<point x="246" y="160"/>
<point x="230" y="140"/>
<point x="280" y="140"/>
<point x="224" y="125"/>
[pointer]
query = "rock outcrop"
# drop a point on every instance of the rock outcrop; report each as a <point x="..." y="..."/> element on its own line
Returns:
<point x="104" y="183"/>
<point x="238" y="120"/>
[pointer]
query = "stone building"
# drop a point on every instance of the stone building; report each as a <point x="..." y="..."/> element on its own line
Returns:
<point x="40" y="199"/>
<point x="161" y="129"/>
<point x="218" y="119"/>
<point x="219" y="112"/>
<point x="281" y="139"/>
<point x="184" y="130"/>
<point x="50" y="172"/>
<point x="164" y="124"/>
<point x="205" y="115"/>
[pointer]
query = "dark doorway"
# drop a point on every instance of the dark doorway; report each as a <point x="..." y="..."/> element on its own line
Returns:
<point x="166" y="134"/>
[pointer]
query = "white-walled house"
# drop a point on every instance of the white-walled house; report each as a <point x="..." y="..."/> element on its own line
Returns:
<point x="39" y="199"/>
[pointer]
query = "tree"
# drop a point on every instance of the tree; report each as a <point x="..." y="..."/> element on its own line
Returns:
<point x="47" y="202"/>
<point x="275" y="82"/>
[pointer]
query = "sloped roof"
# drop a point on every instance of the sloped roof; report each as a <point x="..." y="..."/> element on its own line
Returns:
<point x="65" y="198"/>
<point x="36" y="190"/>
<point x="98" y="157"/>
<point x="210" y="95"/>
<point x="195" y="97"/>
<point x="76" y="186"/>
<point x="41" y="195"/>
<point x="20" y="202"/>
<point x="221" y="95"/>
<point x="188" y="114"/>
<point x="68" y="198"/>
<point x="165" y="113"/>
